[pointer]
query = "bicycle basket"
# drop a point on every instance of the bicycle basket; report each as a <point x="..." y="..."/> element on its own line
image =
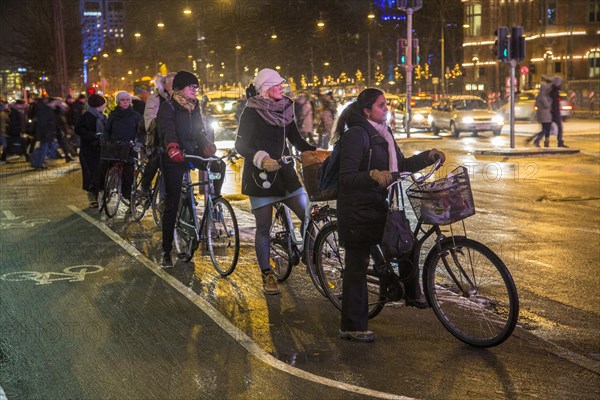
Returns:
<point x="311" y="162"/>
<point x="444" y="201"/>
<point x="114" y="151"/>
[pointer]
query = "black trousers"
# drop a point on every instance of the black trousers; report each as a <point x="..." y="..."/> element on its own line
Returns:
<point x="172" y="174"/>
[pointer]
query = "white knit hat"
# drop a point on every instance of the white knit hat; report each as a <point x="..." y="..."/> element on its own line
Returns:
<point x="266" y="79"/>
<point x="121" y="95"/>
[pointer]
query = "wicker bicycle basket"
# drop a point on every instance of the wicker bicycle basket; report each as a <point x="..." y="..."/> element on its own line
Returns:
<point x="114" y="151"/>
<point x="311" y="162"/>
<point x="444" y="201"/>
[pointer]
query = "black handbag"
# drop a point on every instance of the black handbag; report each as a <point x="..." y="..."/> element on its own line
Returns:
<point x="398" y="239"/>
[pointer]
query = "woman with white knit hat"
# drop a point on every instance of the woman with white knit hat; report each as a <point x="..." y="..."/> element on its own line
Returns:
<point x="266" y="127"/>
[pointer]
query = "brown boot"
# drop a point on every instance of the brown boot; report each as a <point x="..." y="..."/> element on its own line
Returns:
<point x="270" y="283"/>
<point x="546" y="143"/>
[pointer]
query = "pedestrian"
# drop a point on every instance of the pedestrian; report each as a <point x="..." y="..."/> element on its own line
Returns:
<point x="327" y="115"/>
<point x="122" y="125"/>
<point x="45" y="131"/>
<point x="164" y="90"/>
<point x="266" y="126"/>
<point x="4" y="125"/>
<point x="305" y="114"/>
<point x="16" y="128"/>
<point x="556" y="117"/>
<point x="182" y="131"/>
<point x="64" y="132"/>
<point x="89" y="129"/>
<point x="543" y="104"/>
<point x="369" y="156"/>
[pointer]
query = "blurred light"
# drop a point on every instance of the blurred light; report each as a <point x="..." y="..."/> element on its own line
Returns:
<point x="119" y="50"/>
<point x="129" y="72"/>
<point x="371" y="15"/>
<point x="214" y="125"/>
<point x="278" y="67"/>
<point x="320" y="24"/>
<point x="274" y="36"/>
<point x="160" y="25"/>
<point x="105" y="55"/>
<point x="466" y="26"/>
<point x="187" y="11"/>
<point x="326" y="63"/>
<point x="137" y="34"/>
<point x="238" y="47"/>
<point x="190" y="56"/>
<point x="122" y="78"/>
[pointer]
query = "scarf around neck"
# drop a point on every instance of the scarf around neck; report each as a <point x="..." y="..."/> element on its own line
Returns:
<point x="183" y="102"/>
<point x="384" y="131"/>
<point x="279" y="113"/>
<point x="100" y="118"/>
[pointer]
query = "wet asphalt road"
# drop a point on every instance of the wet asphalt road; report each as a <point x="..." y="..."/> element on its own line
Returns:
<point x="86" y="313"/>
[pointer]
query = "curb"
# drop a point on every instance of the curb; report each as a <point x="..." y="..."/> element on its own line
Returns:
<point x="527" y="151"/>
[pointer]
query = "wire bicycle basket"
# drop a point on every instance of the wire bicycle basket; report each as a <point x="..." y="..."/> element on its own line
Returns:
<point x="444" y="201"/>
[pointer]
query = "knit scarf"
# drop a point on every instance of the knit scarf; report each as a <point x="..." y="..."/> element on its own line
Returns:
<point x="385" y="132"/>
<point x="100" y="118"/>
<point x="188" y="104"/>
<point x="278" y="113"/>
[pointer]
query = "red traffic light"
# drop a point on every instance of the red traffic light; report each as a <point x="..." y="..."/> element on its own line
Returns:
<point x="90" y="91"/>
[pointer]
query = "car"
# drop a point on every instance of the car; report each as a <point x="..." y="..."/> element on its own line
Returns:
<point x="420" y="106"/>
<point x="221" y="107"/>
<point x="464" y="114"/>
<point x="525" y="106"/>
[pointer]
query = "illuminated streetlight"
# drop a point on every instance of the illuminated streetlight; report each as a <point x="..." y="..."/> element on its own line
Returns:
<point x="105" y="55"/>
<point x="160" y="25"/>
<point x="137" y="34"/>
<point x="130" y="72"/>
<point x="278" y="67"/>
<point x="187" y="11"/>
<point x="371" y="15"/>
<point x="274" y="36"/>
<point x="320" y="24"/>
<point x="238" y="47"/>
<point x="326" y="63"/>
<point x="119" y="50"/>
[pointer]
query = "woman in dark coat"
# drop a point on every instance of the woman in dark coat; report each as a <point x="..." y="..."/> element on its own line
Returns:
<point x="368" y="157"/>
<point x="122" y="126"/>
<point x="182" y="131"/>
<point x="266" y="125"/>
<point x="89" y="128"/>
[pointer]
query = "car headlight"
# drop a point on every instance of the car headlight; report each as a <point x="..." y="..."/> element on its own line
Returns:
<point x="214" y="125"/>
<point x="498" y="119"/>
<point x="429" y="119"/>
<point x="418" y="117"/>
<point x="468" y="120"/>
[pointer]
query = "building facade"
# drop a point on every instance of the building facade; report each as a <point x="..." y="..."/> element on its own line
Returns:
<point x="561" y="36"/>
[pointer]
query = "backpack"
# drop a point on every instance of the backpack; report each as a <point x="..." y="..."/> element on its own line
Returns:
<point x="330" y="170"/>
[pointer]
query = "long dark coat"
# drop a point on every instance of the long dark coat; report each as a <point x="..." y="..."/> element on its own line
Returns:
<point x="89" y="153"/>
<point x="361" y="203"/>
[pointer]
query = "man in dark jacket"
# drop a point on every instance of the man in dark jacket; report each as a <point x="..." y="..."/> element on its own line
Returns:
<point x="182" y="131"/>
<point x="556" y="117"/>
<point x="45" y="131"/>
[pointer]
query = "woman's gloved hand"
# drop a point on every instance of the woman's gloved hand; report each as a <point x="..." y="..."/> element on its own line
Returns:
<point x="174" y="152"/>
<point x="383" y="178"/>
<point x="435" y="154"/>
<point x="209" y="150"/>
<point x="270" y="165"/>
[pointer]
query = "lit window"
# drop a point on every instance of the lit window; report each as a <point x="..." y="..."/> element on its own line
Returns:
<point x="551" y="13"/>
<point x="473" y="12"/>
<point x="594" y="11"/>
<point x="594" y="63"/>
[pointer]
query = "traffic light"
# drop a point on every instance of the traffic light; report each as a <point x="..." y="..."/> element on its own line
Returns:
<point x="415" y="52"/>
<point x="90" y="91"/>
<point x="517" y="43"/>
<point x="402" y="44"/>
<point x="501" y="45"/>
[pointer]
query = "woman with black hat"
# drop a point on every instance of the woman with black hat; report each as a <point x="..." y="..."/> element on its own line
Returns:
<point x="89" y="128"/>
<point x="182" y="132"/>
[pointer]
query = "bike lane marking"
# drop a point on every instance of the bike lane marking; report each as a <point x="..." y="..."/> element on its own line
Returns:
<point x="236" y="334"/>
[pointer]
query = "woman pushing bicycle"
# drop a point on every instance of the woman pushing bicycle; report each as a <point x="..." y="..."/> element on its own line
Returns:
<point x="265" y="125"/>
<point x="368" y="157"/>
<point x="182" y="132"/>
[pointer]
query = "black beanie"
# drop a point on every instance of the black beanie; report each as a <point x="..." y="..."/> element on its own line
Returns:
<point x="183" y="79"/>
<point x="96" y="100"/>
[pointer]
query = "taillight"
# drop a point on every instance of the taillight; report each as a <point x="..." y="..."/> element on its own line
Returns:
<point x="566" y="107"/>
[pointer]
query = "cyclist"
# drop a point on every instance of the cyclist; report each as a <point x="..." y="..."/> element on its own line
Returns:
<point x="182" y="132"/>
<point x="369" y="155"/>
<point x="265" y="124"/>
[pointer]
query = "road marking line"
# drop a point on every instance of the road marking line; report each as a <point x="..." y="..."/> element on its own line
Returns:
<point x="236" y="334"/>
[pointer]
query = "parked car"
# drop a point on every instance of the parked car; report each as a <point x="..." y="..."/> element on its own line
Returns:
<point x="525" y="106"/>
<point x="464" y="114"/>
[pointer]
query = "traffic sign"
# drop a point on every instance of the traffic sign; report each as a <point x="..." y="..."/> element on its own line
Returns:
<point x="524" y="70"/>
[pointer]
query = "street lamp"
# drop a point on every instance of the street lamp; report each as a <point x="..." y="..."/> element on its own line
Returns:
<point x="371" y="18"/>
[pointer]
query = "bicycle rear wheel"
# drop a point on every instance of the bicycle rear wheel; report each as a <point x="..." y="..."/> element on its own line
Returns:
<point x="281" y="246"/>
<point x="471" y="292"/>
<point x="309" y="253"/>
<point x="139" y="203"/>
<point x="222" y="236"/>
<point x="158" y="204"/>
<point x="185" y="238"/>
<point x="330" y="259"/>
<point x="112" y="191"/>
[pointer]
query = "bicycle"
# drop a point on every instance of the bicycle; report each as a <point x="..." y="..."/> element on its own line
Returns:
<point x="288" y="247"/>
<point x="218" y="227"/>
<point x="141" y="201"/>
<point x="118" y="154"/>
<point x="469" y="288"/>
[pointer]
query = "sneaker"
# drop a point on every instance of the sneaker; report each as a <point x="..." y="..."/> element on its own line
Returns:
<point x="357" y="336"/>
<point x="270" y="283"/>
<point x="166" y="261"/>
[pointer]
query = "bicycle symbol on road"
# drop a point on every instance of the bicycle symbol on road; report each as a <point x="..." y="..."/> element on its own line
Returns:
<point x="11" y="221"/>
<point x="76" y="273"/>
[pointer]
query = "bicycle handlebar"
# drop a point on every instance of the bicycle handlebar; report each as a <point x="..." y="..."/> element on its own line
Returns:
<point x="405" y="174"/>
<point x="230" y="154"/>
<point x="287" y="159"/>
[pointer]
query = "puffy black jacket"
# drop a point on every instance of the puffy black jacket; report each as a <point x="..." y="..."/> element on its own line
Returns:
<point x="176" y="124"/>
<point x="361" y="203"/>
<point x="122" y="125"/>
<point x="254" y="135"/>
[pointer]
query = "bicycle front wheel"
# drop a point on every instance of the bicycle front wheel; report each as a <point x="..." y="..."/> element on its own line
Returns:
<point x="139" y="203"/>
<point x="112" y="191"/>
<point x="281" y="246"/>
<point x="471" y="292"/>
<point x="222" y="236"/>
<point x="185" y="239"/>
<point x="330" y="263"/>
<point x="309" y="254"/>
